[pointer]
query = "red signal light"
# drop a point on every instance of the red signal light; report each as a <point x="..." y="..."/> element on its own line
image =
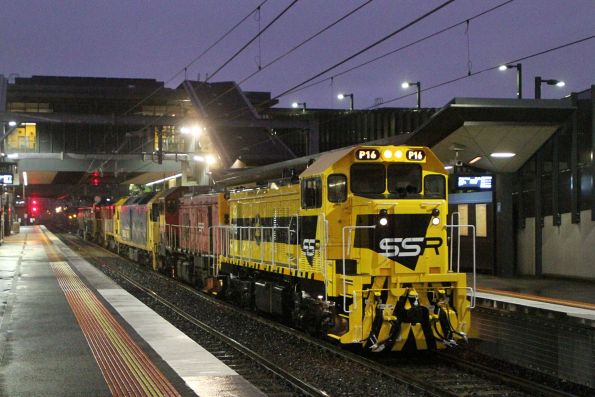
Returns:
<point x="35" y="207"/>
<point x="95" y="178"/>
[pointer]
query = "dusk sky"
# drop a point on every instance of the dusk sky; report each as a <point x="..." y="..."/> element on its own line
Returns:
<point x="158" y="39"/>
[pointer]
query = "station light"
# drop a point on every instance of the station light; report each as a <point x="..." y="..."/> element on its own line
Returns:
<point x="475" y="160"/>
<point x="195" y="130"/>
<point x="296" y="105"/>
<point x="519" y="77"/>
<point x="539" y="81"/>
<point x="12" y="123"/>
<point x="417" y="85"/>
<point x="163" y="179"/>
<point x="503" y="155"/>
<point x="350" y="96"/>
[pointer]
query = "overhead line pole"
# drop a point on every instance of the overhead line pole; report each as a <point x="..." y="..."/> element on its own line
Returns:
<point x="184" y="69"/>
<point x="259" y="70"/>
<point x="252" y="40"/>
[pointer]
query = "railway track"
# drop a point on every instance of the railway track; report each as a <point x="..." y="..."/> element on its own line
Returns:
<point x="426" y="374"/>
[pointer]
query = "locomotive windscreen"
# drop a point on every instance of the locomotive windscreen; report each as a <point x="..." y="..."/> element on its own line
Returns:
<point x="371" y="180"/>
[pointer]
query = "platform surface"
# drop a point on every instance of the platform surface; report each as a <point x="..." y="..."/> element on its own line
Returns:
<point x="576" y="298"/>
<point x="60" y="318"/>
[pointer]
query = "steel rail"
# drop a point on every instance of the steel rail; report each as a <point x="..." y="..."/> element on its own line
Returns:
<point x="528" y="386"/>
<point x="271" y="367"/>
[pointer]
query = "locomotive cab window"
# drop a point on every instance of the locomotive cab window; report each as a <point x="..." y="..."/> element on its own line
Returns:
<point x="311" y="192"/>
<point x="404" y="180"/>
<point x="155" y="212"/>
<point x="337" y="188"/>
<point x="435" y="186"/>
<point x="368" y="179"/>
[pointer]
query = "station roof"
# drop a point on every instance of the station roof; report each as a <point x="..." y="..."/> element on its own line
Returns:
<point x="473" y="127"/>
<point x="467" y="128"/>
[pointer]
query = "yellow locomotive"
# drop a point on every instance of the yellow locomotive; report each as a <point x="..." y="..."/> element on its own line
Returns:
<point x="356" y="250"/>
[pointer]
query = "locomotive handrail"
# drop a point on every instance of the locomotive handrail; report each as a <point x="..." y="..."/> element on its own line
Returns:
<point x="324" y="254"/>
<point x="474" y="288"/>
<point x="458" y="214"/>
<point x="350" y="228"/>
<point x="224" y="247"/>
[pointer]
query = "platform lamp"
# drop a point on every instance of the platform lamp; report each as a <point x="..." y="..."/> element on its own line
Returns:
<point x="417" y="89"/>
<point x="519" y="77"/>
<point x="296" y="105"/>
<point x="350" y="96"/>
<point x="539" y="81"/>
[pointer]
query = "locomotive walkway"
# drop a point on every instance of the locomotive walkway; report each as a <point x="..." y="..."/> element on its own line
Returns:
<point x="67" y="330"/>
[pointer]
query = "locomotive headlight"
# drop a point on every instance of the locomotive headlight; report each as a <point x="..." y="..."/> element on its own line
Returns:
<point x="388" y="154"/>
<point x="435" y="217"/>
<point x="398" y="154"/>
<point x="383" y="221"/>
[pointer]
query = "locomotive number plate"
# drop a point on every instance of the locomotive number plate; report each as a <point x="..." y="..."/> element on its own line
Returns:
<point x="416" y="155"/>
<point x="367" y="154"/>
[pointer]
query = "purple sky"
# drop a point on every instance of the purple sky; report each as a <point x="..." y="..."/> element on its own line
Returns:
<point x="158" y="38"/>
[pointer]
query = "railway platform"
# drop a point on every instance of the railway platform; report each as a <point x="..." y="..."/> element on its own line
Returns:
<point x="546" y="324"/>
<point x="68" y="330"/>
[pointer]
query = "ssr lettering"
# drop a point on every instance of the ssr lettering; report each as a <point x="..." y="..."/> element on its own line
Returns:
<point x="409" y="246"/>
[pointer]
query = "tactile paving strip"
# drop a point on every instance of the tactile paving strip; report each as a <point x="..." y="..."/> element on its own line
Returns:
<point x="127" y="370"/>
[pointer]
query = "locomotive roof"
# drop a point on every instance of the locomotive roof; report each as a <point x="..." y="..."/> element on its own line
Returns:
<point x="325" y="161"/>
<point x="140" y="199"/>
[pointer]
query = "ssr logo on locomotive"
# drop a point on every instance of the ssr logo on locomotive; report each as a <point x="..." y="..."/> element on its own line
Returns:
<point x="309" y="246"/>
<point x="392" y="247"/>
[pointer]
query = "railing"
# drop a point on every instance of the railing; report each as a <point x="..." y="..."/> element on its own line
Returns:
<point x="220" y="239"/>
<point x="345" y="253"/>
<point x="458" y="227"/>
<point x="108" y="226"/>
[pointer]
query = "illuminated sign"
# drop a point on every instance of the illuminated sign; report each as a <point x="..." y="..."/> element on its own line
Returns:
<point x="416" y="155"/>
<point x="482" y="182"/>
<point x="5" y="179"/>
<point x="367" y="154"/>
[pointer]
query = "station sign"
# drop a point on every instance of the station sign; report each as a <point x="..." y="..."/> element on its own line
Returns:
<point x="478" y="182"/>
<point x="6" y="179"/>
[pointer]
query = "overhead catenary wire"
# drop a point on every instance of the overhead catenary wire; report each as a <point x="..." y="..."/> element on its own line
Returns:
<point x="198" y="57"/>
<point x="466" y="76"/>
<point x="293" y="49"/>
<point x="427" y="37"/>
<point x="369" y="47"/>
<point x="238" y="52"/>
<point x="182" y="70"/>
<point x="559" y="47"/>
